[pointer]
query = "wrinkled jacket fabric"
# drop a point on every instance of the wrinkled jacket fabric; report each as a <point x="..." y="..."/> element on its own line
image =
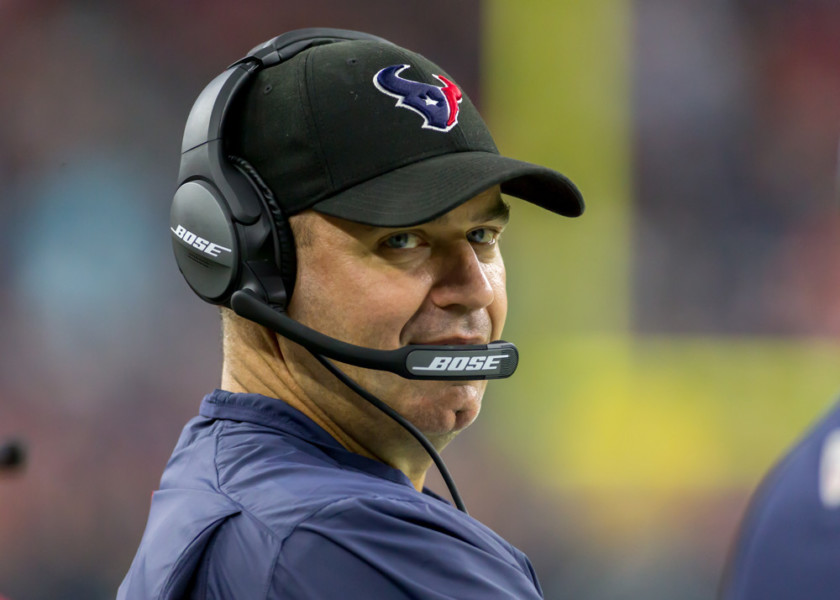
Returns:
<point x="257" y="501"/>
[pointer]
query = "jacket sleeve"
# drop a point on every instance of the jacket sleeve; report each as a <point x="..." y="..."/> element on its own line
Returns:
<point x="395" y="549"/>
<point x="173" y="543"/>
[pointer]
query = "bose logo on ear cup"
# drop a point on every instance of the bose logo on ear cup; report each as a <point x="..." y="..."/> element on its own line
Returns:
<point x="199" y="243"/>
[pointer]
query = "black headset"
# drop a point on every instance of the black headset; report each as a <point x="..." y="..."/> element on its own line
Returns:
<point x="234" y="246"/>
<point x="229" y="233"/>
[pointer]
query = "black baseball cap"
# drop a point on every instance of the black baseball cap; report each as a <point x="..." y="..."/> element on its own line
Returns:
<point x="374" y="133"/>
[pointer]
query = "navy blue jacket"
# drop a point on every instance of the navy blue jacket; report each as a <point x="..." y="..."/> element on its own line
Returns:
<point x="789" y="544"/>
<point x="257" y="501"/>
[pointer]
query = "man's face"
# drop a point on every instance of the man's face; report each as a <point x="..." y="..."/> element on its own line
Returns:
<point x="441" y="282"/>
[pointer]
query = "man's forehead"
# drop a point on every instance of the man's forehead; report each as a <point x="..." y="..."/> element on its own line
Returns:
<point x="487" y="206"/>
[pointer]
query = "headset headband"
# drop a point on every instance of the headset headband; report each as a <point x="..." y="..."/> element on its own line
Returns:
<point x="224" y="238"/>
<point x="207" y="117"/>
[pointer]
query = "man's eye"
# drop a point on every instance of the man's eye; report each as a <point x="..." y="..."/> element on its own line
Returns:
<point x="482" y="235"/>
<point x="402" y="241"/>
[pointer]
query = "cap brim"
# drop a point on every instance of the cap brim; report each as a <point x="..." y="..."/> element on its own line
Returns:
<point x="426" y="189"/>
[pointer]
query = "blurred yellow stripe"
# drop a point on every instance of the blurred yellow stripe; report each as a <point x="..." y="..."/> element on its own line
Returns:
<point x="660" y="413"/>
<point x="592" y="407"/>
<point x="556" y="92"/>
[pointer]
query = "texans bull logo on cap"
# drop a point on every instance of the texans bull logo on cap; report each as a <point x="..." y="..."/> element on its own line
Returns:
<point x="437" y="105"/>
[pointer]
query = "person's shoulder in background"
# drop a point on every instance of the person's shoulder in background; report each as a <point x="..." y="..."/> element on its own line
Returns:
<point x="788" y="545"/>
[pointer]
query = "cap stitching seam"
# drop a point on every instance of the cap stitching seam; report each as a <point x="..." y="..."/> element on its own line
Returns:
<point x="311" y="123"/>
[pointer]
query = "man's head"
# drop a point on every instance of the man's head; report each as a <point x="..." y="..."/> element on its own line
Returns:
<point x="381" y="170"/>
<point x="339" y="122"/>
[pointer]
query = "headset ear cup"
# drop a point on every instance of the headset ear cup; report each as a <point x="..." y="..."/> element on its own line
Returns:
<point x="229" y="233"/>
<point x="204" y="242"/>
<point x="285" y="257"/>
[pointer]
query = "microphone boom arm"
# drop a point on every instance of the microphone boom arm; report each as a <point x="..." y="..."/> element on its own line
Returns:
<point x="495" y="360"/>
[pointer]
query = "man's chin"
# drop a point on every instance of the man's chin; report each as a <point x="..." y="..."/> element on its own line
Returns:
<point x="449" y="415"/>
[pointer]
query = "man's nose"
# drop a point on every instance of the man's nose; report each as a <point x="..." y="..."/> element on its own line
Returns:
<point x="461" y="279"/>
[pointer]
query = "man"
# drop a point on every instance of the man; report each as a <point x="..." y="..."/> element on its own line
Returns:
<point x="380" y="186"/>
<point x="788" y="547"/>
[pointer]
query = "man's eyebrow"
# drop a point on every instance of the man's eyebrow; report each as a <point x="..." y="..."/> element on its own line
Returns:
<point x="498" y="211"/>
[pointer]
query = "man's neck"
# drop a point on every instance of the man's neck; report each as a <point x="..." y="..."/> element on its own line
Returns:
<point x="254" y="363"/>
<point x="413" y="464"/>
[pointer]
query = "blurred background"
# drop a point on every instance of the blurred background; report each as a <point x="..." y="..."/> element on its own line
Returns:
<point x="675" y="340"/>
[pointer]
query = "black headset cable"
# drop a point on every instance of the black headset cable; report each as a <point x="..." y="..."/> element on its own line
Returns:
<point x="427" y="445"/>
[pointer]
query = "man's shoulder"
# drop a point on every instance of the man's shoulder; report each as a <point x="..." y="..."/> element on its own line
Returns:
<point x="282" y="480"/>
<point x="400" y="547"/>
<point x="233" y="490"/>
<point x="244" y="504"/>
<point x="388" y="518"/>
<point x="285" y="485"/>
